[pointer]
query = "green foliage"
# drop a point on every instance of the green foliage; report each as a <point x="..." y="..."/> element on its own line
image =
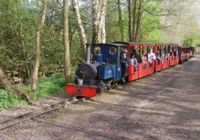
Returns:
<point x="192" y="38"/>
<point x="6" y="100"/>
<point x="17" y="38"/>
<point x="52" y="85"/>
<point x="112" y="22"/>
<point x="47" y="86"/>
<point x="150" y="27"/>
<point x="150" y="30"/>
<point x="188" y="41"/>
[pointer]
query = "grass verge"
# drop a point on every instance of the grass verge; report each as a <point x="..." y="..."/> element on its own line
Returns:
<point x="46" y="87"/>
<point x="6" y="100"/>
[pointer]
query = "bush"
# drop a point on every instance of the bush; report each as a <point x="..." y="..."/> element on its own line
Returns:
<point x="6" y="100"/>
<point x="51" y="85"/>
<point x="47" y="86"/>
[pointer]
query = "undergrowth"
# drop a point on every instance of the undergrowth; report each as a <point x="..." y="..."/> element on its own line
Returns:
<point x="6" y="100"/>
<point x="46" y="87"/>
<point x="51" y="85"/>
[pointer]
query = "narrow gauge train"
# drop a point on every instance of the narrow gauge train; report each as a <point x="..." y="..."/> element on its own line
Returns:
<point x="104" y="68"/>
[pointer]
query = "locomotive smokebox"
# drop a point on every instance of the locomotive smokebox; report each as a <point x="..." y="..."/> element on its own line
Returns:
<point x="87" y="72"/>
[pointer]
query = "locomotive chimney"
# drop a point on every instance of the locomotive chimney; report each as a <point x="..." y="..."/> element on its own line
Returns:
<point x="88" y="53"/>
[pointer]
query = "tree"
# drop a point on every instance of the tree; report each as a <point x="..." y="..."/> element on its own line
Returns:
<point x="103" y="21"/>
<point x="82" y="34"/>
<point x="67" y="62"/>
<point x="134" y="20"/>
<point x="98" y="17"/>
<point x="121" y="26"/>
<point x="182" y="22"/>
<point x="4" y="81"/>
<point x="140" y="11"/>
<point x="129" y="19"/>
<point x="135" y="11"/>
<point x="9" y="87"/>
<point x="40" y="24"/>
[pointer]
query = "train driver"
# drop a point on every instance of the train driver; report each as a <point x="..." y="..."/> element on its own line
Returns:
<point x="124" y="64"/>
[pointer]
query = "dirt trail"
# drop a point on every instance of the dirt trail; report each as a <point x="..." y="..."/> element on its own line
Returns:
<point x="163" y="106"/>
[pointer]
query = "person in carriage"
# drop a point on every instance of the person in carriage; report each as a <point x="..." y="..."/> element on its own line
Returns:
<point x="151" y="57"/>
<point x="134" y="61"/>
<point x="158" y="58"/>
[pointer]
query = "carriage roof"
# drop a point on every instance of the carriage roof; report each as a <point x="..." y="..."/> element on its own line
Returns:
<point x="144" y="44"/>
<point x="185" y="47"/>
<point x="133" y="44"/>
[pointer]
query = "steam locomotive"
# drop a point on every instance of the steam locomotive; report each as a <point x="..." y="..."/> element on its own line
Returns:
<point x="104" y="68"/>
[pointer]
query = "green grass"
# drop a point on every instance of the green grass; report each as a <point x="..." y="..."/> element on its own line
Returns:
<point x="46" y="87"/>
<point x="51" y="85"/>
<point x="6" y="100"/>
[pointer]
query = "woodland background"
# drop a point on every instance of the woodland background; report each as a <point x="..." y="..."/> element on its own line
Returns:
<point x="42" y="41"/>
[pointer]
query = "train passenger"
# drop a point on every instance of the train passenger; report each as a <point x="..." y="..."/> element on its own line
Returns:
<point x="162" y="57"/>
<point x="190" y="52"/>
<point x="167" y="55"/>
<point x="151" y="57"/>
<point x="158" y="58"/>
<point x="139" y="57"/>
<point x="134" y="61"/>
<point x="144" y="60"/>
<point x="175" y="53"/>
<point x="171" y="51"/>
<point x="124" y="64"/>
<point x="133" y="52"/>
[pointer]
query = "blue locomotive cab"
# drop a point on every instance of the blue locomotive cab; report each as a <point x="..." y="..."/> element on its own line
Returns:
<point x="105" y="53"/>
<point x="108" y="57"/>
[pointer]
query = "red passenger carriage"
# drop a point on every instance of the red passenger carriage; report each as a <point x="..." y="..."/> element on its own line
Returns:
<point x="168" y="57"/>
<point x="185" y="52"/>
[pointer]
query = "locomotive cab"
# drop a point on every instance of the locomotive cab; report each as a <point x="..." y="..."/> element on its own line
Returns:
<point x="108" y="58"/>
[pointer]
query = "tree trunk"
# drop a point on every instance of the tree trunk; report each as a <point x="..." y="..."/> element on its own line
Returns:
<point x="108" y="30"/>
<point x="98" y="17"/>
<point x="140" y="11"/>
<point x="103" y="22"/>
<point x="8" y="87"/>
<point x="95" y="21"/>
<point x="134" y="20"/>
<point x="4" y="81"/>
<point x="103" y="30"/>
<point x="40" y="24"/>
<point x="67" y="62"/>
<point x="80" y="25"/>
<point x="129" y="19"/>
<point x="121" y="26"/>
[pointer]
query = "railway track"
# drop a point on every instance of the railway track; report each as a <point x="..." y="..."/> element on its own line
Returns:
<point x="21" y="118"/>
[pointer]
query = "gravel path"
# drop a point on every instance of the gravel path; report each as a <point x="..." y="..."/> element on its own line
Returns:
<point x="165" y="106"/>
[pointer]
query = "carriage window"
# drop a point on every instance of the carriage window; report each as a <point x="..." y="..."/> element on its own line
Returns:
<point x="112" y="51"/>
<point x="97" y="50"/>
